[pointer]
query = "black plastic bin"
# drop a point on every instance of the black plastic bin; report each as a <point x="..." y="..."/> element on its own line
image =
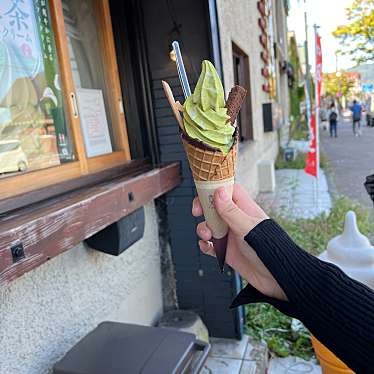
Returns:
<point x="119" y="348"/>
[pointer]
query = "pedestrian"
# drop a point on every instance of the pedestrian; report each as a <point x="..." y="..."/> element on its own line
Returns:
<point x="356" y="110"/>
<point x="337" y="309"/>
<point x="333" y="120"/>
<point x="323" y="117"/>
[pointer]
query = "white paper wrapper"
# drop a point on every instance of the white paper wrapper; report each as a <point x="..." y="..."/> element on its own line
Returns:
<point x="205" y="190"/>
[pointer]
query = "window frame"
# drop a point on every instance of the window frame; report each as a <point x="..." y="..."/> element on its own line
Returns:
<point x="246" y="118"/>
<point x="28" y="181"/>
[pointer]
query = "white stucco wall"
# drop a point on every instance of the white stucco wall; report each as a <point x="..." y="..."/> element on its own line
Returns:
<point x="238" y="23"/>
<point x="46" y="311"/>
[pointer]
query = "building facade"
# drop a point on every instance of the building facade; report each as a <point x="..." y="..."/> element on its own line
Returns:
<point x="89" y="125"/>
<point x="241" y="35"/>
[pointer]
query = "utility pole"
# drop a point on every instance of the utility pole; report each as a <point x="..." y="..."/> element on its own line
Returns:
<point x="307" y="71"/>
<point x="316" y="103"/>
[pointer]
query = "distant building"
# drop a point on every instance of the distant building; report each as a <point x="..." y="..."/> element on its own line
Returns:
<point x="356" y="79"/>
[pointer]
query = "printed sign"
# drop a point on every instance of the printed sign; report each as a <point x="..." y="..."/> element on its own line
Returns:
<point x="93" y="122"/>
<point x="318" y="68"/>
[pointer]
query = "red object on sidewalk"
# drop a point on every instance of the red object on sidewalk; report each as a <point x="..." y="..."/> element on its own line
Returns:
<point x="311" y="160"/>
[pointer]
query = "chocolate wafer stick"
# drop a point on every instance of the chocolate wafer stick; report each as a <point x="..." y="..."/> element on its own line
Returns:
<point x="235" y="101"/>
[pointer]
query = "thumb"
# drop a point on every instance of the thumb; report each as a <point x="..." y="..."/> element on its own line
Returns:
<point x="238" y="221"/>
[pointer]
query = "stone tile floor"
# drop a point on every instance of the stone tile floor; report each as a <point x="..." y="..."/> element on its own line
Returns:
<point x="297" y="194"/>
<point x="230" y="356"/>
<point x="293" y="365"/>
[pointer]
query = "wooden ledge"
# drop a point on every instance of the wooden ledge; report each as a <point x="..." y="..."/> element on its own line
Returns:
<point x="47" y="229"/>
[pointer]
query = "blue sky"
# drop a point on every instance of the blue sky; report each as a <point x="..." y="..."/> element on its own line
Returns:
<point x="327" y="14"/>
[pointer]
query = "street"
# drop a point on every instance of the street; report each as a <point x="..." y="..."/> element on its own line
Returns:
<point x="351" y="159"/>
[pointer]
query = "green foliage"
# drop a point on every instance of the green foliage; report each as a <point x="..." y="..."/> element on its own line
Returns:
<point x="357" y="37"/>
<point x="297" y="163"/>
<point x="323" y="162"/>
<point x="314" y="234"/>
<point x="294" y="90"/>
<point x="340" y="82"/>
<point x="263" y="322"/>
<point x="299" y="130"/>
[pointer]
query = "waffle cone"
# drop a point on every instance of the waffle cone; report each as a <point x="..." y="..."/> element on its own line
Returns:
<point x="212" y="169"/>
<point x="208" y="164"/>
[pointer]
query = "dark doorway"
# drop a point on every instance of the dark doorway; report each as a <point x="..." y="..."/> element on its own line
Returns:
<point x="242" y="78"/>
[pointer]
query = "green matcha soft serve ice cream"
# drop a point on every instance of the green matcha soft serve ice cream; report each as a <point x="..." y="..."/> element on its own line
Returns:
<point x="205" y="116"/>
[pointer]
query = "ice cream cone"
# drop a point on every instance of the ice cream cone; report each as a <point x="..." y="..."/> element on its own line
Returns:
<point x="212" y="169"/>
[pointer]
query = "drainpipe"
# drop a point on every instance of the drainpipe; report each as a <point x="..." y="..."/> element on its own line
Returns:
<point x="215" y="38"/>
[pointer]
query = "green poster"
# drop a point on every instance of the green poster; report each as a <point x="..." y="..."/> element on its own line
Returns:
<point x="55" y="105"/>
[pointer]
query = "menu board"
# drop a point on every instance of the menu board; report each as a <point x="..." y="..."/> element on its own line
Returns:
<point x="93" y="122"/>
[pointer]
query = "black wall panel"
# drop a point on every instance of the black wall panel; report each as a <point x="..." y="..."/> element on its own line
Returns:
<point x="200" y="285"/>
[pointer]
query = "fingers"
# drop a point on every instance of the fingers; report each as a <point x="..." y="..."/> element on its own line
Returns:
<point x="197" y="210"/>
<point x="241" y="213"/>
<point x="238" y="221"/>
<point x="203" y="231"/>
<point x="242" y="199"/>
<point x="207" y="248"/>
<point x="205" y="234"/>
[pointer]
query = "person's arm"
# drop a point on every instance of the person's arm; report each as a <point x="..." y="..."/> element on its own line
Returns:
<point x="337" y="310"/>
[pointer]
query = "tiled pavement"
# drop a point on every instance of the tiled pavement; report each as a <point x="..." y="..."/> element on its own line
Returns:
<point x="236" y="357"/>
<point x="248" y="357"/>
<point x="293" y="365"/>
<point x="297" y="194"/>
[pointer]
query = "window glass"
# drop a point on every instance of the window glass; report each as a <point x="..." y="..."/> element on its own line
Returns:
<point x="89" y="75"/>
<point x="33" y="128"/>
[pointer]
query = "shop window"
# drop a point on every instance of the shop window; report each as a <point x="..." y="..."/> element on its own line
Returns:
<point x="83" y="27"/>
<point x="242" y="78"/>
<point x="61" y="112"/>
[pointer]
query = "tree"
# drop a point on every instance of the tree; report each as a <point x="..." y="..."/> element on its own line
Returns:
<point x="357" y="37"/>
<point x="338" y="84"/>
<point x="294" y="94"/>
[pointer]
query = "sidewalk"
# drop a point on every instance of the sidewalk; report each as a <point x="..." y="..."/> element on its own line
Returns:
<point x="297" y="195"/>
<point x="351" y="159"/>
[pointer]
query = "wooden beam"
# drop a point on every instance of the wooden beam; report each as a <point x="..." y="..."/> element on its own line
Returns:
<point x="37" y="195"/>
<point x="56" y="226"/>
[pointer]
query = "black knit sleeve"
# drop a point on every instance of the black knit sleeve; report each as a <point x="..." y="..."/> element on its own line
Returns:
<point x="337" y="310"/>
